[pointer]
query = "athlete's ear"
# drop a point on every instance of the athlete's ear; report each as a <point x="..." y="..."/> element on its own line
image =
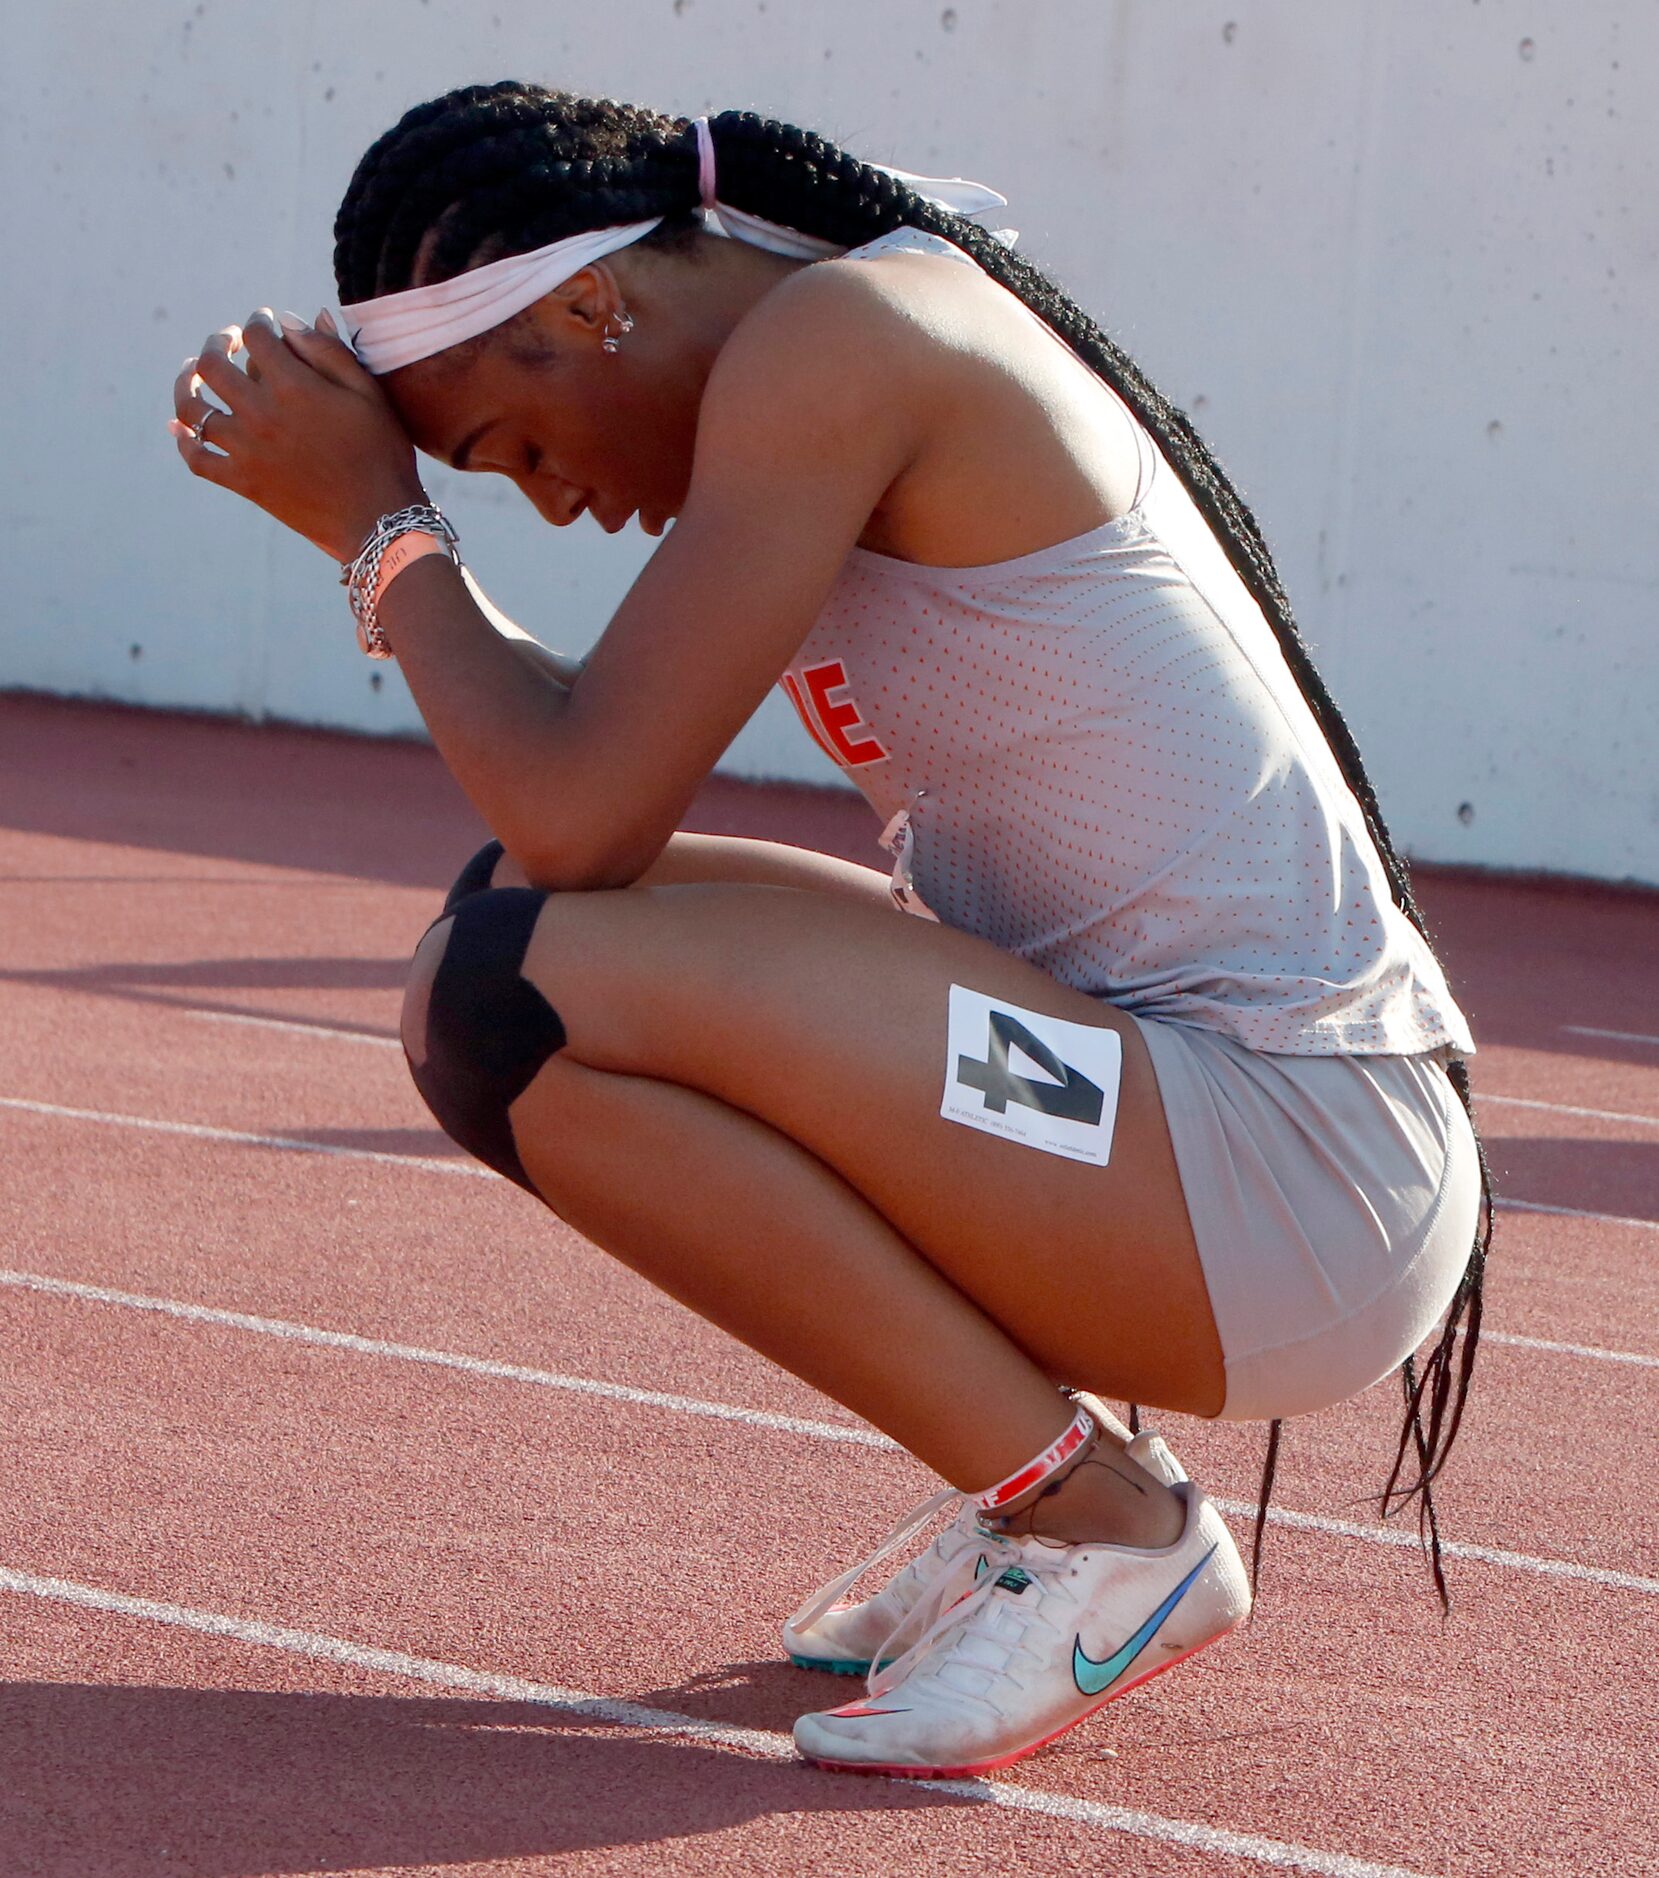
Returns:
<point x="586" y="304"/>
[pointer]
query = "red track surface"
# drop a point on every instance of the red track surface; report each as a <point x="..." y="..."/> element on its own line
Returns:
<point x="306" y="1519"/>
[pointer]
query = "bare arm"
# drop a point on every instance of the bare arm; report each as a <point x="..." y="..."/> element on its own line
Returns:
<point x="584" y="769"/>
<point x="559" y="666"/>
<point x="805" y="424"/>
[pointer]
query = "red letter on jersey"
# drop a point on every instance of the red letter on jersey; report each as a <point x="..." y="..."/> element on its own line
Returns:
<point x="835" y="719"/>
<point x="805" y="716"/>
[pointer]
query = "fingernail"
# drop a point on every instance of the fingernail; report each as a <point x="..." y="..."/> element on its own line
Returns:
<point x="325" y="323"/>
<point x="292" y="323"/>
<point x="178" y="427"/>
<point x="190" y="363"/>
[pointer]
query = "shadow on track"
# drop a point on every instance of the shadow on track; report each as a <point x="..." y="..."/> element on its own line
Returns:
<point x="139" y="1782"/>
<point x="1616" y="1177"/>
<point x="296" y="972"/>
<point x="277" y="795"/>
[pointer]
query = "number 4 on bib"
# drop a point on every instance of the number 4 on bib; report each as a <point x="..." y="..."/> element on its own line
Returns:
<point x="1043" y="1081"/>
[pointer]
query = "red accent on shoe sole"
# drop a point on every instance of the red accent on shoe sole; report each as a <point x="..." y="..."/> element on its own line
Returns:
<point x="968" y="1768"/>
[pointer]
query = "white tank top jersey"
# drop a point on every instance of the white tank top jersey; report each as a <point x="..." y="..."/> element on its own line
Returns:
<point x="1106" y="767"/>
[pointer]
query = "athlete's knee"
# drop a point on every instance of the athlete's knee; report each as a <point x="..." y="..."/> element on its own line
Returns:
<point x="491" y="866"/>
<point x="476" y="876"/>
<point x="475" y="1029"/>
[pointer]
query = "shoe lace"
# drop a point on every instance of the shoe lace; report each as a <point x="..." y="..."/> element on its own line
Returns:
<point x="1002" y="1622"/>
<point x="920" y="1515"/>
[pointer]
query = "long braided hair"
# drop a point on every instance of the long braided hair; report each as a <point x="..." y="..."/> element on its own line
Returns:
<point x="493" y="170"/>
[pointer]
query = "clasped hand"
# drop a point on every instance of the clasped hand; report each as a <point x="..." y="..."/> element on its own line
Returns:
<point x="300" y="429"/>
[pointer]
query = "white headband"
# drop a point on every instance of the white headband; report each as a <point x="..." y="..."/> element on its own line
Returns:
<point x="399" y="328"/>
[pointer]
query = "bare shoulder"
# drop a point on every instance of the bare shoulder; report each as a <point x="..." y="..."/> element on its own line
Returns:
<point x="892" y="392"/>
<point x="838" y="329"/>
<point x="813" y="412"/>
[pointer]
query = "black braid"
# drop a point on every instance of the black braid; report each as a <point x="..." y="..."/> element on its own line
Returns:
<point x="492" y="170"/>
<point x="1270" y="1467"/>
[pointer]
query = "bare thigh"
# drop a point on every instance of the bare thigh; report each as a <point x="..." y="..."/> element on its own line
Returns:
<point x="824" y="1015"/>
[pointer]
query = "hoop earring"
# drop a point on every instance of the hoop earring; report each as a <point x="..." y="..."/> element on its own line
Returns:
<point x="612" y="343"/>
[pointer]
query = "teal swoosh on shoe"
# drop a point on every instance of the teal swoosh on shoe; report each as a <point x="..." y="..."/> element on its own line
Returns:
<point x="1095" y="1677"/>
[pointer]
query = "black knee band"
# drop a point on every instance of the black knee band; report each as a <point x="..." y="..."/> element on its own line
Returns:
<point x="478" y="874"/>
<point x="488" y="1029"/>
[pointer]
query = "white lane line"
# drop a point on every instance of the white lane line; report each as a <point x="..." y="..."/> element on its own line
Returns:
<point x="447" y="1359"/>
<point x="764" y="1744"/>
<point x="754" y="1418"/>
<point x="1571" y="1349"/>
<point x="1619" y="1036"/>
<point x="1507" y="1205"/>
<point x="517" y="1372"/>
<point x="289" y="1024"/>
<point x="1563" y="1108"/>
<point x="426" y="1164"/>
<point x="200" y="1131"/>
<point x="1453" y="1548"/>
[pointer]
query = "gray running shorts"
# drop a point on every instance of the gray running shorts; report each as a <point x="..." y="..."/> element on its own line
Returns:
<point x="1333" y="1200"/>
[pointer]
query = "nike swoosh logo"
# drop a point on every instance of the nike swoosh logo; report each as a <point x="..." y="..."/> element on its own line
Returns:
<point x="1095" y="1677"/>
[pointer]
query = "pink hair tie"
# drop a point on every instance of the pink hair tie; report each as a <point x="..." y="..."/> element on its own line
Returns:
<point x="705" y="161"/>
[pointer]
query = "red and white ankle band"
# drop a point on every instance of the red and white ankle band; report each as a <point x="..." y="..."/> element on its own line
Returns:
<point x="1034" y="1473"/>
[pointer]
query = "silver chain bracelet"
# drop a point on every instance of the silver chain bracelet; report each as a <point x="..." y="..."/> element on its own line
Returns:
<point x="361" y="577"/>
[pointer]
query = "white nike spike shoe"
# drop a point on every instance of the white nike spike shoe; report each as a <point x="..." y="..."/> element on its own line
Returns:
<point x="1037" y="1645"/>
<point x="833" y="1633"/>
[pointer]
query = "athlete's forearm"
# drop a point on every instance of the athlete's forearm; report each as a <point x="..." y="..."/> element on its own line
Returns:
<point x="496" y="707"/>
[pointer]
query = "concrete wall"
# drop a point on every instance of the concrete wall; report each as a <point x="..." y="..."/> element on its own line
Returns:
<point x="1399" y="262"/>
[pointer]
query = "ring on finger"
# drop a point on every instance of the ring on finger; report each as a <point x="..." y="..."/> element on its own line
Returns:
<point x="198" y="429"/>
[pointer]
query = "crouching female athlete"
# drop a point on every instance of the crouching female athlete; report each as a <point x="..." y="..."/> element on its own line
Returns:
<point x="1146" y="1085"/>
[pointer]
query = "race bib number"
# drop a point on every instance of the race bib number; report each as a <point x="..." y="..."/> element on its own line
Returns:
<point x="1042" y="1080"/>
